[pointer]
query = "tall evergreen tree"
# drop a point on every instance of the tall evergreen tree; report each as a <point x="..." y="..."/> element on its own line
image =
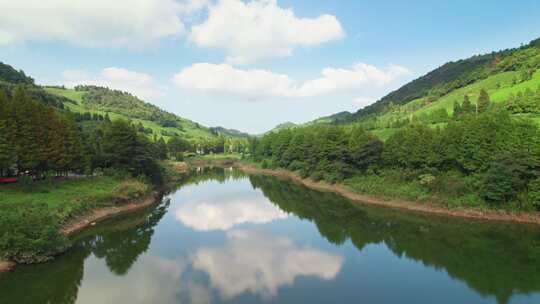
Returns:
<point x="483" y="101"/>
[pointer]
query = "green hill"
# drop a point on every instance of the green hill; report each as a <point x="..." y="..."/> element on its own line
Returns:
<point x="118" y="104"/>
<point x="505" y="75"/>
<point x="90" y="100"/>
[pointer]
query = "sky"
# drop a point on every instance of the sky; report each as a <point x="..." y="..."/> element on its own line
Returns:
<point x="252" y="64"/>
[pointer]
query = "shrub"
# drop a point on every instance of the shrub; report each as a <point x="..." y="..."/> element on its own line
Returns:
<point x="29" y="233"/>
<point x="130" y="189"/>
<point x="317" y="175"/>
<point x="264" y="164"/>
<point x="534" y="193"/>
<point x="427" y="180"/>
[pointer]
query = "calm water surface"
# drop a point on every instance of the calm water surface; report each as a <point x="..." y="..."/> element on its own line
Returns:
<point x="223" y="237"/>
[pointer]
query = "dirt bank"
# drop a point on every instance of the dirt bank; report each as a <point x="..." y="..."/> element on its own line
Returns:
<point x="101" y="214"/>
<point x="521" y="217"/>
<point x="92" y="217"/>
<point x="6" y="266"/>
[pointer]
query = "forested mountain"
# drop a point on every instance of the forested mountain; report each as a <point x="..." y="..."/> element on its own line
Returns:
<point x="466" y="134"/>
<point x="455" y="75"/>
<point x="10" y="75"/>
<point x="505" y="75"/>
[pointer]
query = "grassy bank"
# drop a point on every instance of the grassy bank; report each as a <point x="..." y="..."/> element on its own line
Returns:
<point x="31" y="218"/>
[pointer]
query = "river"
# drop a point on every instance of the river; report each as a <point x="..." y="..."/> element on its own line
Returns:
<point x="226" y="237"/>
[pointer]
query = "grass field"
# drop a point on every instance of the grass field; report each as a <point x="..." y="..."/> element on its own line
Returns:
<point x="68" y="198"/>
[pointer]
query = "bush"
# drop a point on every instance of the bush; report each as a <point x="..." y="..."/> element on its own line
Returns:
<point x="264" y="164"/>
<point x="534" y="193"/>
<point x="130" y="189"/>
<point x="29" y="234"/>
<point x="427" y="180"/>
<point x="317" y="175"/>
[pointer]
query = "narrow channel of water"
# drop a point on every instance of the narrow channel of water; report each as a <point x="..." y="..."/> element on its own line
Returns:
<point x="225" y="237"/>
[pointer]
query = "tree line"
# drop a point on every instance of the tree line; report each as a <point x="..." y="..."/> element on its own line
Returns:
<point x="499" y="151"/>
<point x="38" y="140"/>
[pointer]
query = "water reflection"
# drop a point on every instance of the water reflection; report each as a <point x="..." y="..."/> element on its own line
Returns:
<point x="224" y="212"/>
<point x="261" y="263"/>
<point x="229" y="238"/>
<point x="495" y="259"/>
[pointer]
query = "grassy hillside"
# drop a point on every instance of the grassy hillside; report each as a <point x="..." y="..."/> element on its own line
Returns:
<point x="117" y="104"/>
<point x="431" y="98"/>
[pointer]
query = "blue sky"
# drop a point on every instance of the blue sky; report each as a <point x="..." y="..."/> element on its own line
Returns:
<point x="250" y="65"/>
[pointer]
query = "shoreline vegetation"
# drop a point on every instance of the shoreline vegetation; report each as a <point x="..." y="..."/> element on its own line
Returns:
<point x="379" y="200"/>
<point x="415" y="206"/>
<point x="125" y="196"/>
<point x="92" y="217"/>
<point x="134" y="202"/>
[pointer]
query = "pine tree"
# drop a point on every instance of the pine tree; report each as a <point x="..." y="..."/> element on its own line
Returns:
<point x="467" y="107"/>
<point x="162" y="149"/>
<point x="483" y="101"/>
<point x="457" y="110"/>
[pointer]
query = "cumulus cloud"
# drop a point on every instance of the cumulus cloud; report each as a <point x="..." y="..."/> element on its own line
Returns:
<point x="258" y="84"/>
<point x="153" y="280"/>
<point x="253" y="30"/>
<point x="260" y="263"/>
<point x="140" y="84"/>
<point x="125" y="23"/>
<point x="224" y="214"/>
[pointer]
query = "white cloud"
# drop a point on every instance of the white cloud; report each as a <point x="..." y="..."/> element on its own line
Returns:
<point x="223" y="214"/>
<point x="153" y="279"/>
<point x="260" y="263"/>
<point x="258" y="29"/>
<point x="125" y="23"/>
<point x="140" y="84"/>
<point x="258" y="84"/>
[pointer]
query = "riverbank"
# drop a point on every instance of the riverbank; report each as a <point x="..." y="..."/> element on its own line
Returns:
<point x="71" y="206"/>
<point x="422" y="207"/>
<point x="94" y="216"/>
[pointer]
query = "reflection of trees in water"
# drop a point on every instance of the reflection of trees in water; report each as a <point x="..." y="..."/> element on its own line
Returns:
<point x="57" y="281"/>
<point x="120" y="242"/>
<point x="120" y="249"/>
<point x="495" y="259"/>
<point x="200" y="175"/>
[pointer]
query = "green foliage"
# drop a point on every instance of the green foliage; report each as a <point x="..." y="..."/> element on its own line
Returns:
<point x="506" y="177"/>
<point x="29" y="233"/>
<point x="466" y="148"/>
<point x="534" y="193"/>
<point x="9" y="74"/>
<point x="483" y="101"/>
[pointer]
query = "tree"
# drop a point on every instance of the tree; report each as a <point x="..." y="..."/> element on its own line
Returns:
<point x="162" y="149"/>
<point x="506" y="177"/>
<point x="457" y="110"/>
<point x="467" y="107"/>
<point x="483" y="101"/>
